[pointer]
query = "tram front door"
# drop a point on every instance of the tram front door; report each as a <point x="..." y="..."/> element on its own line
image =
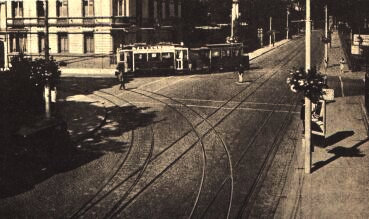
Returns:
<point x="179" y="60"/>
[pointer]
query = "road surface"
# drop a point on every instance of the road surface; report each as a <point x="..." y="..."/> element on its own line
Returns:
<point x="188" y="146"/>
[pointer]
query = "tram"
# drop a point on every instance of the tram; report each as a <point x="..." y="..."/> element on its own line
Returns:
<point x="163" y="58"/>
<point x="175" y="58"/>
<point x="219" y="57"/>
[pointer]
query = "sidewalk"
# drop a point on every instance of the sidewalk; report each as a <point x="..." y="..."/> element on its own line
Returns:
<point x="338" y="186"/>
<point x="266" y="49"/>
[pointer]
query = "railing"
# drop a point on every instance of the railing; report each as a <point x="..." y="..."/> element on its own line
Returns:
<point x="41" y="21"/>
<point x="88" y="21"/>
<point x="121" y="20"/>
<point x="65" y="21"/>
<point x="62" y="21"/>
<point x="18" y="22"/>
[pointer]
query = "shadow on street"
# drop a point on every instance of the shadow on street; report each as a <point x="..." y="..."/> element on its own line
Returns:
<point x="25" y="163"/>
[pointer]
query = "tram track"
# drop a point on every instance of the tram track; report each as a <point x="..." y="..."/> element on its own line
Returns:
<point x="226" y="148"/>
<point x="139" y="171"/>
<point x="134" y="173"/>
<point x="116" y="207"/>
<point x="262" y="83"/>
<point x="88" y="205"/>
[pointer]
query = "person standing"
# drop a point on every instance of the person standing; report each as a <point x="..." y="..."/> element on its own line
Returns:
<point x="121" y="78"/>
<point x="342" y="65"/>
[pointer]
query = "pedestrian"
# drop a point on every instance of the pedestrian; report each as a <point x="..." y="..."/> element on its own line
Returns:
<point x="302" y="115"/>
<point x="122" y="80"/>
<point x="189" y="65"/>
<point x="342" y="64"/>
<point x="241" y="70"/>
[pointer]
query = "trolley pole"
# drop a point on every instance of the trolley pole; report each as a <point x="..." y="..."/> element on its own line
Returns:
<point x="47" y="89"/>
<point x="307" y="100"/>
<point x="270" y="31"/>
<point x="326" y="36"/>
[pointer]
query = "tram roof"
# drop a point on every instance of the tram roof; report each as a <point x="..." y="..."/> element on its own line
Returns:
<point x="224" y="44"/>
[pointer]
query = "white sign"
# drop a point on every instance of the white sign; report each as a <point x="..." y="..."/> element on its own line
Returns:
<point x="365" y="39"/>
<point x="328" y="94"/>
<point x="355" y="50"/>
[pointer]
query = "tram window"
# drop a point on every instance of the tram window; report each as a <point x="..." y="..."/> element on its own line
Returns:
<point x="223" y="53"/>
<point x="185" y="54"/>
<point x="167" y="55"/>
<point x="236" y="52"/>
<point x="215" y="53"/>
<point x="228" y="52"/>
<point x="154" y="56"/>
<point x="140" y="57"/>
<point x="178" y="54"/>
<point x="121" y="57"/>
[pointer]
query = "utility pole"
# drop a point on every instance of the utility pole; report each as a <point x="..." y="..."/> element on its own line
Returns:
<point x="270" y="31"/>
<point x="307" y="100"/>
<point x="326" y="37"/>
<point x="47" y="89"/>
<point x="288" y="13"/>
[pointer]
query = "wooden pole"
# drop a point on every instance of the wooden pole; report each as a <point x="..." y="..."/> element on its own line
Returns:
<point x="47" y="89"/>
<point x="326" y="36"/>
<point x="307" y="100"/>
<point x="270" y="31"/>
<point x="287" y="28"/>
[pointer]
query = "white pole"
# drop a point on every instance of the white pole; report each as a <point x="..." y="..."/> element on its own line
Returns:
<point x="47" y="86"/>
<point x="307" y="100"/>
<point x="270" y="31"/>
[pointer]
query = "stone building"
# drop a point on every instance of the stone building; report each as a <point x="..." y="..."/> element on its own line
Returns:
<point x="85" y="33"/>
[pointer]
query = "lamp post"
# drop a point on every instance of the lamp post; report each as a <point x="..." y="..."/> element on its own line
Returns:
<point x="307" y="100"/>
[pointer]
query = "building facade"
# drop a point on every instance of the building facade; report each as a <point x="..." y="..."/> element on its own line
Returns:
<point x="85" y="33"/>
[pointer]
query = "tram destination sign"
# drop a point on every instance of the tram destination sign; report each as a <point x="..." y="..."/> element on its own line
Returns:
<point x="364" y="37"/>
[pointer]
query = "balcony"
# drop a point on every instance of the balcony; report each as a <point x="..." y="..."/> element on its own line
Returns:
<point x="17" y="22"/>
<point x="121" y="21"/>
<point x="62" y="22"/>
<point x="40" y="21"/>
<point x="88" y="21"/>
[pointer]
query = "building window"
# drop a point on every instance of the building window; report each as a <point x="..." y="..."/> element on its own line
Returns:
<point x="62" y="8"/>
<point x="40" y="9"/>
<point x="41" y="42"/>
<point x="17" y="8"/>
<point x="63" y="45"/>
<point x="88" y="8"/>
<point x="89" y="46"/>
<point x="18" y="42"/>
<point x="119" y="8"/>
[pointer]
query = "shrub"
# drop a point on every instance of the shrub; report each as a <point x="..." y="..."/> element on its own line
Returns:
<point x="311" y="83"/>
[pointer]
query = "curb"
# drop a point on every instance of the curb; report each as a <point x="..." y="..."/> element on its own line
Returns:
<point x="364" y="113"/>
<point x="289" y="40"/>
